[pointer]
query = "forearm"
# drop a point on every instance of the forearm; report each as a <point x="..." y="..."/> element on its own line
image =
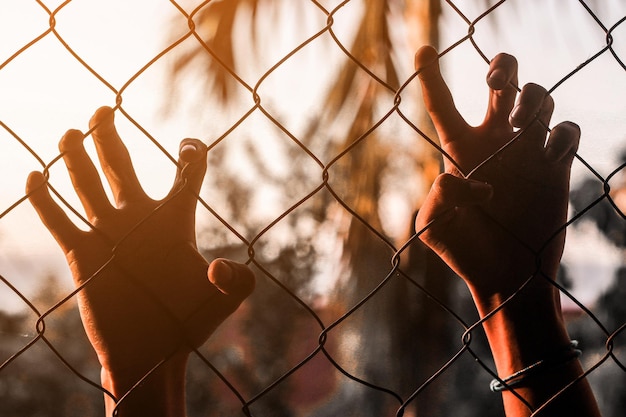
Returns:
<point x="161" y="394"/>
<point x="530" y="330"/>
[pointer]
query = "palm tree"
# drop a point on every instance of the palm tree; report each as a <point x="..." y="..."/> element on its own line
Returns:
<point x="359" y="163"/>
<point x="357" y="158"/>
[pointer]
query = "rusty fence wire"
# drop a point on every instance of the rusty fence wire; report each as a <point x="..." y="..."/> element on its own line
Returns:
<point x="319" y="154"/>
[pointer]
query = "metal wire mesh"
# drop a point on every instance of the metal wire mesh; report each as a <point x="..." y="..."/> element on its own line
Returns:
<point x="393" y="339"/>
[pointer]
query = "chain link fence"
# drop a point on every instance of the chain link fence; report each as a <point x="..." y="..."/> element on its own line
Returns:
<point x="319" y="155"/>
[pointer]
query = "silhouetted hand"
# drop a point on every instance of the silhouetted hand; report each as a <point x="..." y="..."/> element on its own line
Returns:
<point x="505" y="216"/>
<point x="146" y="295"/>
<point x="496" y="217"/>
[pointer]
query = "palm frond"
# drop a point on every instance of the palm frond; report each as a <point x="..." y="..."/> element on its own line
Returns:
<point x="215" y="25"/>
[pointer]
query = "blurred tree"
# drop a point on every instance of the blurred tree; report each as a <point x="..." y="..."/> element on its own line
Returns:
<point x="363" y="165"/>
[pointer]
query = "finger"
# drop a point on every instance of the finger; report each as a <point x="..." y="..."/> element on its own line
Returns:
<point x="563" y="143"/>
<point x="232" y="279"/>
<point x="447" y="193"/>
<point x="545" y="113"/>
<point x="532" y="113"/>
<point x="192" y="165"/>
<point x="114" y="157"/>
<point x="437" y="97"/>
<point x="502" y="82"/>
<point x="53" y="217"/>
<point x="533" y="101"/>
<point x="84" y="175"/>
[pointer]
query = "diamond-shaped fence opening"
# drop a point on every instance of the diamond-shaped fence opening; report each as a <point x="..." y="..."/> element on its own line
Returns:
<point x="319" y="155"/>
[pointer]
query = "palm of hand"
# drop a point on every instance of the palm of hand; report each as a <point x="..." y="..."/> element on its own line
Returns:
<point x="145" y="286"/>
<point x="519" y="222"/>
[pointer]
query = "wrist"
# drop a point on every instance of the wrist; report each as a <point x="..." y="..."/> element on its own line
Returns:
<point x="524" y="327"/>
<point x="528" y="332"/>
<point x="159" y="392"/>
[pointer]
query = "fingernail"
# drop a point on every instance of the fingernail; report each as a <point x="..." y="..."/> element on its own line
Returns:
<point x="189" y="152"/>
<point x="224" y="273"/>
<point x="188" y="147"/>
<point x="518" y="113"/>
<point x="496" y="79"/>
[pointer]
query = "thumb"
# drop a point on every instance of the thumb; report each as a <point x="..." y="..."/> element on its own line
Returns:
<point x="192" y="165"/>
<point x="447" y="193"/>
<point x="231" y="278"/>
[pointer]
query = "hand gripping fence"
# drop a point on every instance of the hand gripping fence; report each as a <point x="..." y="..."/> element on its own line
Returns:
<point x="319" y="153"/>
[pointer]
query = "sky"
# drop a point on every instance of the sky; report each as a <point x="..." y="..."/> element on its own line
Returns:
<point x="45" y="91"/>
